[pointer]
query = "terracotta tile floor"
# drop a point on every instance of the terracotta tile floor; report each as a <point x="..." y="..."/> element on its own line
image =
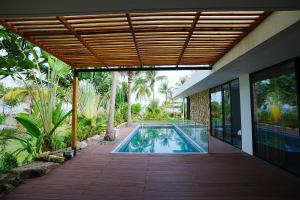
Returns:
<point x="97" y="174"/>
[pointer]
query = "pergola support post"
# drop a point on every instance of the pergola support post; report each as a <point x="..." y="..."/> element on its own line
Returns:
<point x="74" y="111"/>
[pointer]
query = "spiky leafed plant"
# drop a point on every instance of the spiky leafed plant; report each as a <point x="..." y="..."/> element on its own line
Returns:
<point x="152" y="77"/>
<point x="88" y="99"/>
<point x="41" y="74"/>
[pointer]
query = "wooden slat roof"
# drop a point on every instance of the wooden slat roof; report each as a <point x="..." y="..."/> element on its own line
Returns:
<point x="137" y="39"/>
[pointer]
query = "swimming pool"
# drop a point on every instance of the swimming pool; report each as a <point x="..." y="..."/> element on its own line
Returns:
<point x="158" y="139"/>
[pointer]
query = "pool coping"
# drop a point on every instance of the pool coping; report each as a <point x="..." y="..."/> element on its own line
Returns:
<point x="184" y="135"/>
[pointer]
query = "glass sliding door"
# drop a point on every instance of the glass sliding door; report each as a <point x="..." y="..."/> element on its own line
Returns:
<point x="227" y="112"/>
<point x="216" y="112"/>
<point x="276" y="120"/>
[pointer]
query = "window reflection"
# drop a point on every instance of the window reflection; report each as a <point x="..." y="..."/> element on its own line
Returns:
<point x="216" y="113"/>
<point x="225" y="113"/>
<point x="276" y="117"/>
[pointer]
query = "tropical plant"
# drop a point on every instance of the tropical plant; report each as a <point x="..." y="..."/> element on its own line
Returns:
<point x="2" y="93"/>
<point x="15" y="54"/>
<point x="152" y="77"/>
<point x="136" y="109"/>
<point x="7" y="162"/>
<point x="46" y="103"/>
<point x="86" y="128"/>
<point x="31" y="140"/>
<point x="166" y="90"/>
<point x="153" y="110"/>
<point x="111" y="113"/>
<point x="130" y="75"/>
<point x="2" y="118"/>
<point x="88" y="99"/>
<point x="102" y="82"/>
<point x="182" y="80"/>
<point x="141" y="88"/>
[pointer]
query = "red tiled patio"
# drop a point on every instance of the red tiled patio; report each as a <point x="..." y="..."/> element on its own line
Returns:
<point x="98" y="174"/>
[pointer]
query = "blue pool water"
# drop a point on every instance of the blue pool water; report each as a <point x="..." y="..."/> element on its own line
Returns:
<point x="157" y="139"/>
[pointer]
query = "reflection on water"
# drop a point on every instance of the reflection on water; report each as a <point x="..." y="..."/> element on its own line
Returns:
<point x="157" y="140"/>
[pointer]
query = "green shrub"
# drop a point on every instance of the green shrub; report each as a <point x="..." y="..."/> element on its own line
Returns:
<point x="87" y="127"/>
<point x="62" y="138"/>
<point x="2" y="118"/>
<point x="136" y="109"/>
<point x="153" y="111"/>
<point x="7" y="162"/>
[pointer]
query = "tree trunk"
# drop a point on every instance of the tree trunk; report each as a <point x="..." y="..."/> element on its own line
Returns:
<point x="153" y="91"/>
<point x="111" y="112"/>
<point x="130" y="76"/>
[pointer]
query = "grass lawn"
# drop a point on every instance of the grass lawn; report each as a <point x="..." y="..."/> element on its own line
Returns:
<point x="12" y="146"/>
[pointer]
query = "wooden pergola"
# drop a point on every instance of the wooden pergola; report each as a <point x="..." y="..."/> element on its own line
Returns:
<point x="136" y="41"/>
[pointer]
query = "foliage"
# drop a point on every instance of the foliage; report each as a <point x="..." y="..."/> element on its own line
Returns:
<point x="2" y="118"/>
<point x="86" y="128"/>
<point x="136" y="109"/>
<point x="166" y="90"/>
<point x="15" y="59"/>
<point x="155" y="112"/>
<point x="152" y="77"/>
<point x="102" y="83"/>
<point x="141" y="88"/>
<point x="30" y="142"/>
<point x="61" y="139"/>
<point x="88" y="99"/>
<point x="7" y="162"/>
<point x="182" y="80"/>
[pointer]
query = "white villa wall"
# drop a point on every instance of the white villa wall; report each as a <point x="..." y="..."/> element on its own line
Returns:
<point x="246" y="118"/>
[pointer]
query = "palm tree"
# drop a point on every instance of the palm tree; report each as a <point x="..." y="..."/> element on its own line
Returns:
<point x="152" y="77"/>
<point x="166" y="90"/>
<point x="141" y="88"/>
<point x="2" y="92"/>
<point x="130" y="78"/>
<point x="182" y="80"/>
<point x="111" y="113"/>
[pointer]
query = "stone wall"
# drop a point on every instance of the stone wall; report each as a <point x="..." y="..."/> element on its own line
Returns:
<point x="200" y="107"/>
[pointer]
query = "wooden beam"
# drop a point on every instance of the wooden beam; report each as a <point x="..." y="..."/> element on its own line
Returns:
<point x="72" y="30"/>
<point x="74" y="110"/>
<point x="134" y="38"/>
<point x="142" y="69"/>
<point x="30" y="39"/>
<point x="197" y="16"/>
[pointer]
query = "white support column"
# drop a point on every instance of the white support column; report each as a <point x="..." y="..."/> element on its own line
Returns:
<point x="246" y="119"/>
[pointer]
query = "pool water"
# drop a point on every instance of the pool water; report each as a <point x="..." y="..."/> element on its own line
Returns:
<point x="157" y="139"/>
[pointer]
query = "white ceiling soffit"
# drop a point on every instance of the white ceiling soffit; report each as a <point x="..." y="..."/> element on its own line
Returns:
<point x="274" y="41"/>
<point x="71" y="7"/>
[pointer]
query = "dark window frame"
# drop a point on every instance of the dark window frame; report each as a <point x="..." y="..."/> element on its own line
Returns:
<point x="275" y="69"/>
<point x="211" y="90"/>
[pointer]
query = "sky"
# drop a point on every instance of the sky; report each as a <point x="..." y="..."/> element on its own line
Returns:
<point x="173" y="78"/>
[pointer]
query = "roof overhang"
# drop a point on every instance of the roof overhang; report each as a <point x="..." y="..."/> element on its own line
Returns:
<point x="267" y="45"/>
<point x="13" y="8"/>
<point x="136" y="40"/>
